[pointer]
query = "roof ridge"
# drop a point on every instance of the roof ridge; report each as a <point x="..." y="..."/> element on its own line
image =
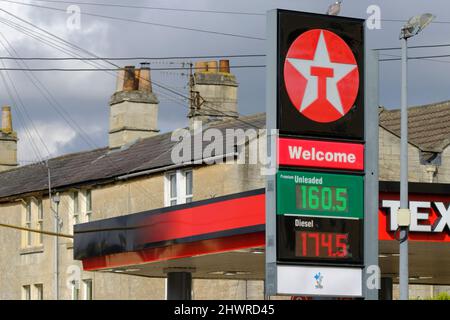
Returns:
<point x="429" y="105"/>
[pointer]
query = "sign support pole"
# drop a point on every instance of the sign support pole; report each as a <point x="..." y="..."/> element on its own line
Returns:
<point x="371" y="280"/>
<point x="404" y="203"/>
<point x="271" y="102"/>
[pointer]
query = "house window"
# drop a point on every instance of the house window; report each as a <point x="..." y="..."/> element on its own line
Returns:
<point x="40" y="221"/>
<point x="39" y="291"/>
<point x="179" y="187"/>
<point x="87" y="284"/>
<point x="88" y="205"/>
<point x="75" y="290"/>
<point x="28" y="217"/>
<point x="173" y="194"/>
<point x="26" y="292"/>
<point x="188" y="180"/>
<point x="76" y="207"/>
<point x="81" y="206"/>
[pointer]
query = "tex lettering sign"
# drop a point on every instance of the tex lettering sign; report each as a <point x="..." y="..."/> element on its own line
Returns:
<point x="315" y="201"/>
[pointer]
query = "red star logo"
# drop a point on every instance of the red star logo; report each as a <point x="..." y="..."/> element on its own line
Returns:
<point x="321" y="76"/>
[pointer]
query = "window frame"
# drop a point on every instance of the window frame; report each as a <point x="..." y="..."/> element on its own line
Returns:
<point x="75" y="294"/>
<point x="88" y="204"/>
<point x="39" y="288"/>
<point x="181" y="180"/>
<point x="40" y="220"/>
<point x="28" y="222"/>
<point x="88" y="284"/>
<point x="188" y="196"/>
<point x="75" y="207"/>
<point x="171" y="199"/>
<point x="26" y="292"/>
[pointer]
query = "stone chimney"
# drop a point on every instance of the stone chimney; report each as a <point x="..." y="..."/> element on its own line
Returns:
<point x="134" y="107"/>
<point x="213" y="92"/>
<point x="8" y="141"/>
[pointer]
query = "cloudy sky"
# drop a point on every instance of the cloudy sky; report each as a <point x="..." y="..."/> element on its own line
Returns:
<point x="74" y="116"/>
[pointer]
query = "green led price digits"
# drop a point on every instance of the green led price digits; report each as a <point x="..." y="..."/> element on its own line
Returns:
<point x="323" y="198"/>
<point x="320" y="194"/>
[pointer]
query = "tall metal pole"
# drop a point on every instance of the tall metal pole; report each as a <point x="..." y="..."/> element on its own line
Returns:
<point x="404" y="204"/>
<point x="56" y="228"/>
<point x="57" y="251"/>
<point x="371" y="286"/>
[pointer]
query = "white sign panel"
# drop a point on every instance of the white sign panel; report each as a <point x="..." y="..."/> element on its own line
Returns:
<point x="319" y="281"/>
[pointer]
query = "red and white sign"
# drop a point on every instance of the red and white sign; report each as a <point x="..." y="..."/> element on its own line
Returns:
<point x="321" y="76"/>
<point x="320" y="154"/>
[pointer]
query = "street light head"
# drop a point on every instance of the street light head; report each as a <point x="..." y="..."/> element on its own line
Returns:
<point x="415" y="25"/>
<point x="335" y="8"/>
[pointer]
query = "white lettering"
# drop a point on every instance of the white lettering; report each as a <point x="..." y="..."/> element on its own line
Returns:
<point x="416" y="215"/>
<point x="393" y="207"/>
<point x="444" y="220"/>
<point x="319" y="156"/>
<point x="351" y="158"/>
<point x="307" y="155"/>
<point x="294" y="152"/>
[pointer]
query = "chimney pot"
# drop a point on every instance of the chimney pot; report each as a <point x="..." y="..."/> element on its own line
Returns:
<point x="201" y="66"/>
<point x="120" y="80"/>
<point x="8" y="141"/>
<point x="144" y="79"/>
<point x="6" y="120"/>
<point x="129" y="79"/>
<point x="212" y="66"/>
<point x="224" y="66"/>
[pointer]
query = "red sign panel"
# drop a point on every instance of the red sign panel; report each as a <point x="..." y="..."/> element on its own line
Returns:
<point x="321" y="75"/>
<point x="320" y="154"/>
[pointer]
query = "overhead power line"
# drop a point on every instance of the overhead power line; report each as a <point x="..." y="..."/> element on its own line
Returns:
<point x="136" y="58"/>
<point x="430" y="58"/>
<point x="402" y="20"/>
<point x="141" y="22"/>
<point x="111" y="69"/>
<point x="416" y="47"/>
<point x="193" y="57"/>
<point x="128" y="6"/>
<point x="96" y="69"/>
<point x="48" y="233"/>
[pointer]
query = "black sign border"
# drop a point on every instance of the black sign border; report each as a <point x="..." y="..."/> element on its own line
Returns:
<point x="289" y="121"/>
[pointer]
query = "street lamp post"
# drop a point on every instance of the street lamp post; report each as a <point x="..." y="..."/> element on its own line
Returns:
<point x="410" y="29"/>
<point x="56" y="200"/>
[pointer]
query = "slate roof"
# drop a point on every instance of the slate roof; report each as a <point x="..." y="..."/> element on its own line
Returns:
<point x="102" y="165"/>
<point x="428" y="125"/>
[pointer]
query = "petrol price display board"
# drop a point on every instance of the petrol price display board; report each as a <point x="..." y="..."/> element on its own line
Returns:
<point x="320" y="194"/>
<point x="317" y="195"/>
<point x="313" y="239"/>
